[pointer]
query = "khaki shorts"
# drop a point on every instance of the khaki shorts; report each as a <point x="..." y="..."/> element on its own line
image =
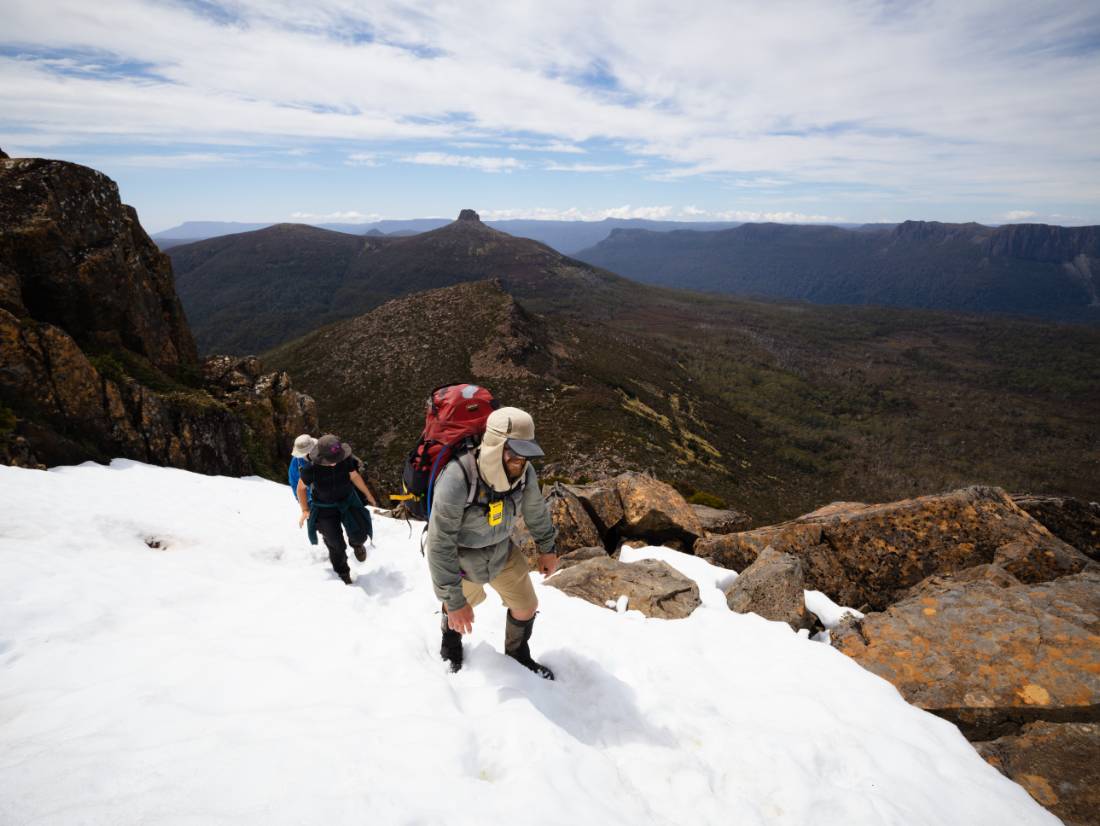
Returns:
<point x="513" y="584"/>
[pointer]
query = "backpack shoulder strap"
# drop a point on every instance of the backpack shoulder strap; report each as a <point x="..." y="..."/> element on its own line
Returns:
<point x="468" y="464"/>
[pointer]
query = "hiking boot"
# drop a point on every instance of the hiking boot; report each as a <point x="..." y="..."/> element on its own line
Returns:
<point x="360" y="552"/>
<point x="516" y="635"/>
<point x="451" y="647"/>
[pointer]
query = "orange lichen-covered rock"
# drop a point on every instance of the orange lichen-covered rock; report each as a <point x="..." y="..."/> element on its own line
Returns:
<point x="869" y="555"/>
<point x="987" y="653"/>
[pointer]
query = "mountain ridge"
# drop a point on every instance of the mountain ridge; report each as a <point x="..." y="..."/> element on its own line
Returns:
<point x="251" y="291"/>
<point x="1036" y="269"/>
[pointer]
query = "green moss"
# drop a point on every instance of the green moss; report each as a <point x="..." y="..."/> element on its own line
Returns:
<point x="120" y="364"/>
<point x="109" y="367"/>
<point x="8" y="420"/>
<point x="701" y="497"/>
<point x="262" y="464"/>
<point x="552" y="480"/>
<point x="195" y="402"/>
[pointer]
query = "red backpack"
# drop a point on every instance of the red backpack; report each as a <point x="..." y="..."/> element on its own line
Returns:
<point x="453" y="426"/>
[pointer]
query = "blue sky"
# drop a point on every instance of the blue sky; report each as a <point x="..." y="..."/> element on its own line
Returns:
<point x="354" y="111"/>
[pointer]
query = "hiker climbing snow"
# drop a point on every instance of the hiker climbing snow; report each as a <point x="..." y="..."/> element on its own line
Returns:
<point x="298" y="460"/>
<point x="473" y="507"/>
<point x="332" y="478"/>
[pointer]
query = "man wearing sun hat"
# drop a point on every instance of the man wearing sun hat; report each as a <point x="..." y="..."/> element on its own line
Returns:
<point x="469" y="545"/>
<point x="332" y="477"/>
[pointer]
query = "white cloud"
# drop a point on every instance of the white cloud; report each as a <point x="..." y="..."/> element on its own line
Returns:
<point x="182" y="160"/>
<point x="1019" y="215"/>
<point x="590" y="167"/>
<point x="483" y="163"/>
<point x="749" y="216"/>
<point x="938" y="99"/>
<point x="350" y="216"/>
<point x="660" y="213"/>
<point x="554" y="147"/>
<point x="656" y="213"/>
<point x="362" y="159"/>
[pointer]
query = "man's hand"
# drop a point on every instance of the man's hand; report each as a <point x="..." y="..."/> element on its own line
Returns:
<point x="302" y="519"/>
<point x="461" y="619"/>
<point x="548" y="563"/>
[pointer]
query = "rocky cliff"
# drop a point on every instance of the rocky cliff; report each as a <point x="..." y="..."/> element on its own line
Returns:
<point x="96" y="357"/>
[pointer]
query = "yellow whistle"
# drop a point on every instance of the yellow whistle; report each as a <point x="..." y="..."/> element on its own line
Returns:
<point x="496" y="513"/>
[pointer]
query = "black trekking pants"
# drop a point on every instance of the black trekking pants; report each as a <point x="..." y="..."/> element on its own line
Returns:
<point x="331" y="528"/>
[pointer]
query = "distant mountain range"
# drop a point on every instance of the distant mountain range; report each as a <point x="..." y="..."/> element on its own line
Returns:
<point x="248" y="292"/>
<point x="564" y="236"/>
<point x="1025" y="269"/>
<point x="776" y="408"/>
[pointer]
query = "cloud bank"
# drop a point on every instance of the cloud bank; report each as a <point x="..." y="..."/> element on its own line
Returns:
<point x="970" y="101"/>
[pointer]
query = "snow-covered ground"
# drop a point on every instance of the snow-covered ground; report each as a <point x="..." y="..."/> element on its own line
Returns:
<point x="228" y="677"/>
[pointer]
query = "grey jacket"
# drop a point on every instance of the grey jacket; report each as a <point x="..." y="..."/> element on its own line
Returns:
<point x="461" y="542"/>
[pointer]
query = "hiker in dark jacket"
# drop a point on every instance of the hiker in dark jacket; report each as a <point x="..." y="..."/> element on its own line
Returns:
<point x="332" y="477"/>
<point x="298" y="459"/>
<point x="469" y="545"/>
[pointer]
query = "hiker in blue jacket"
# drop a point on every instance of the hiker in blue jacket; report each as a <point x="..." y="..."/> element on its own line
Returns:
<point x="332" y="476"/>
<point x="302" y="446"/>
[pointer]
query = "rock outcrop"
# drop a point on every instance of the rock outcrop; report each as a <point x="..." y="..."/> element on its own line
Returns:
<point x="580" y="555"/>
<point x="575" y="527"/>
<point x="869" y="555"/>
<point x="654" y="510"/>
<point x="653" y="587"/>
<point x="988" y="652"/>
<point x="274" y="414"/>
<point x="1058" y="764"/>
<point x="601" y="500"/>
<point x="638" y="506"/>
<point x="1071" y="520"/>
<point x="75" y="257"/>
<point x="719" y="521"/>
<point x="96" y="359"/>
<point x="773" y="588"/>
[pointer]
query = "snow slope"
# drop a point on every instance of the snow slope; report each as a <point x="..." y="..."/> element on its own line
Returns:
<point x="228" y="677"/>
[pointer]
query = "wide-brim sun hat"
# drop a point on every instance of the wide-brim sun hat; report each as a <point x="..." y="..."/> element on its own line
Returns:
<point x="302" y="446"/>
<point x="506" y="426"/>
<point x="329" y="450"/>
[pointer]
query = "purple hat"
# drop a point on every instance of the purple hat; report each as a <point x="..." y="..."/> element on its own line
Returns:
<point x="329" y="450"/>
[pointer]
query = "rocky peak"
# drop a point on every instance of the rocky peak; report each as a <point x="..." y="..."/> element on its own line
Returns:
<point x="98" y="361"/>
<point x="4" y="155"/>
<point x="67" y="244"/>
<point x="469" y="215"/>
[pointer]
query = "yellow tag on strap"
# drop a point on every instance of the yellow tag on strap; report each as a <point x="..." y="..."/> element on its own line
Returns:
<point x="496" y="513"/>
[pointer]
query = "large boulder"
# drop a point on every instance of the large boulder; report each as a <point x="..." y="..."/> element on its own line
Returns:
<point x="1071" y="520"/>
<point x="575" y="527"/>
<point x="773" y="588"/>
<point x="655" y="511"/>
<point x="601" y="500"/>
<point x="869" y="555"/>
<point x="653" y="587"/>
<point x="988" y="652"/>
<point x="1058" y="764"/>
<point x="580" y="555"/>
<point x="721" y="521"/>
